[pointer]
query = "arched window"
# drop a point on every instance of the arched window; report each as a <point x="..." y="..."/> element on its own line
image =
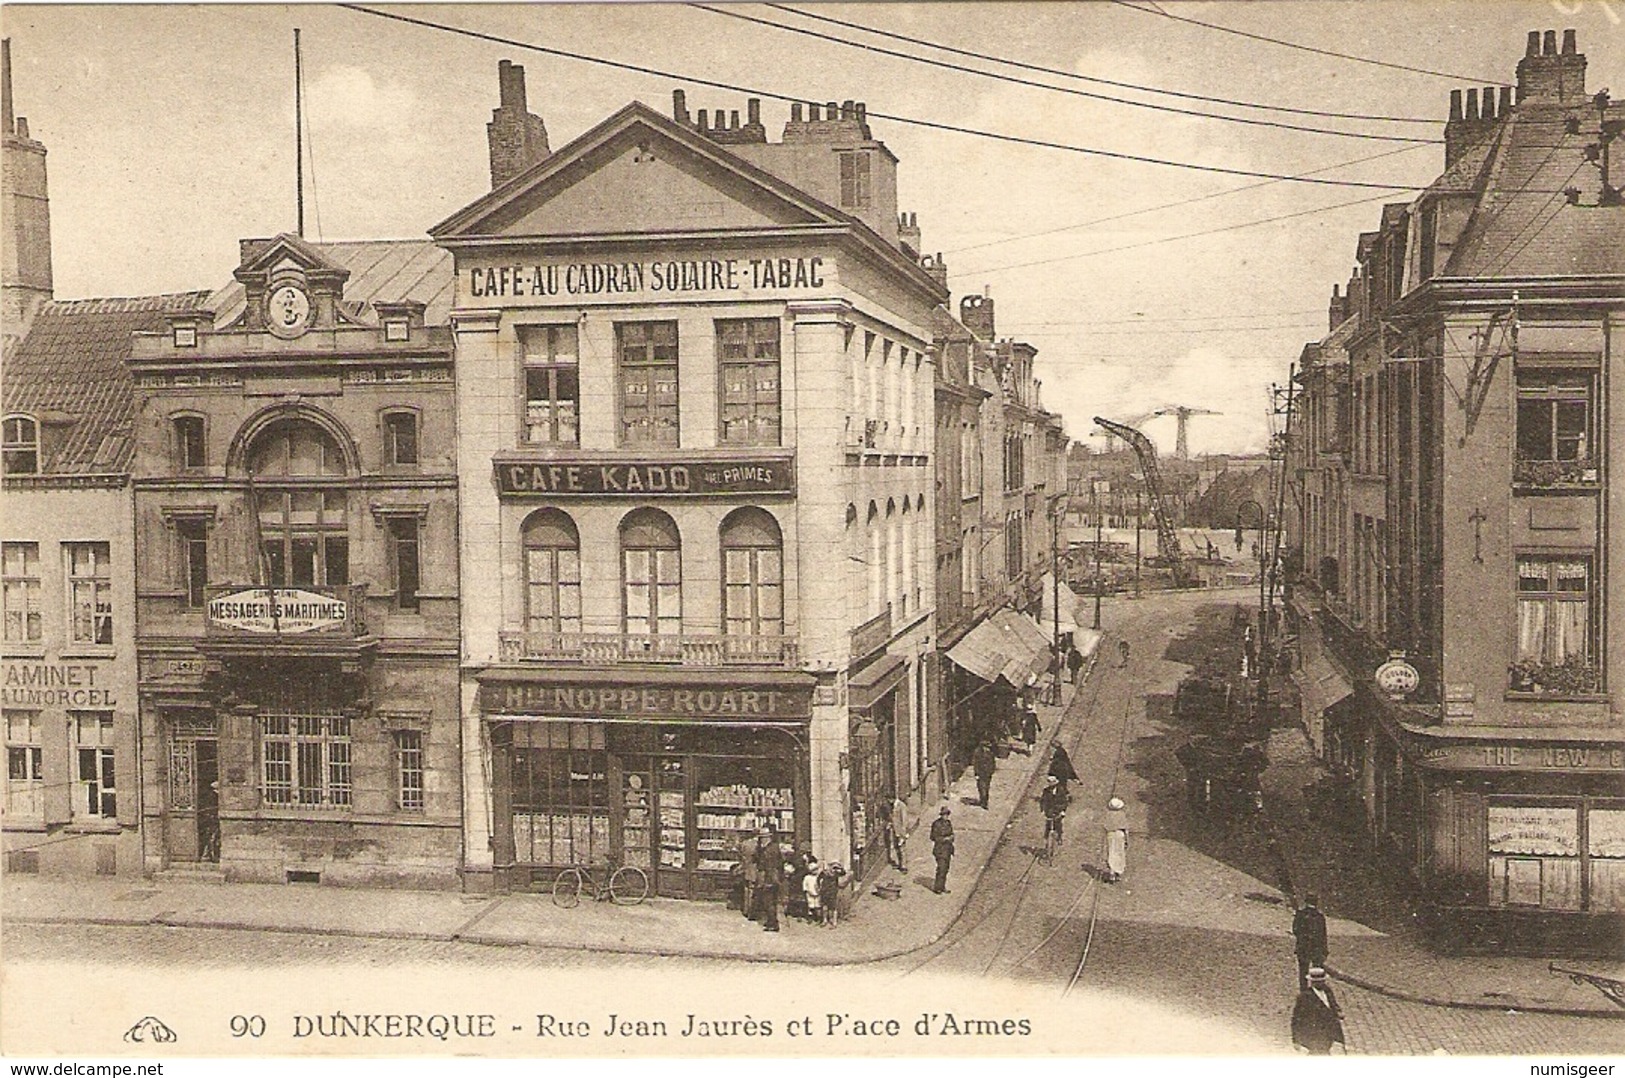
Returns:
<point x="894" y="556"/>
<point x="752" y="574"/>
<point x="877" y="562"/>
<point x="299" y="488"/>
<point x="21" y="445"/>
<point x="651" y="574"/>
<point x="552" y="573"/>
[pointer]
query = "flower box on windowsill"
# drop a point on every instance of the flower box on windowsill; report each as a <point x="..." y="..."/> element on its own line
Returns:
<point x="1548" y="680"/>
<point x="1556" y="474"/>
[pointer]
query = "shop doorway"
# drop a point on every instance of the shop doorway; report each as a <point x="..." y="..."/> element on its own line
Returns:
<point x="206" y="754"/>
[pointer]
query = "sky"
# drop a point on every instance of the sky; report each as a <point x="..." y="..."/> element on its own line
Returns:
<point x="170" y="137"/>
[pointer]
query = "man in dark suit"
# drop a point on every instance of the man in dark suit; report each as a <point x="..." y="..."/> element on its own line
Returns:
<point x="942" y="848"/>
<point x="1317" y="1020"/>
<point x="983" y="763"/>
<point x="769" y="878"/>
<point x="1309" y="928"/>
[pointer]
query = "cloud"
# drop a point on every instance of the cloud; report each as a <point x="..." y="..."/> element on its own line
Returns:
<point x="349" y="97"/>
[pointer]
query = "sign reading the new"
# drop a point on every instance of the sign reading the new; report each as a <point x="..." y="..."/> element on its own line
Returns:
<point x="277" y="610"/>
<point x="645" y="279"/>
<point x="647" y="477"/>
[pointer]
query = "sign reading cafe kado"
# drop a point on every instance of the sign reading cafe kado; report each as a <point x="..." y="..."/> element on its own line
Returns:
<point x="277" y="610"/>
<point x="644" y="477"/>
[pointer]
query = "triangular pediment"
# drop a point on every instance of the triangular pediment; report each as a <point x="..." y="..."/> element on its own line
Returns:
<point x="284" y="253"/>
<point x="638" y="172"/>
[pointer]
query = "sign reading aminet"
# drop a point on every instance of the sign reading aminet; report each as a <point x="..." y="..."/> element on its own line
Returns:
<point x="280" y="610"/>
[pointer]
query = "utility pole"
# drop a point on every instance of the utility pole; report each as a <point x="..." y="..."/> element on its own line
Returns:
<point x="1094" y="496"/>
<point x="1055" y="589"/>
<point x="1137" y="494"/>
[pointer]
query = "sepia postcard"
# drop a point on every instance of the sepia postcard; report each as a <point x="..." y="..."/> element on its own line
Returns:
<point x="798" y="530"/>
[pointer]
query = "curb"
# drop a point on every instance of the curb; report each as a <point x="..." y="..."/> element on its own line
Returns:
<point x="1470" y="1005"/>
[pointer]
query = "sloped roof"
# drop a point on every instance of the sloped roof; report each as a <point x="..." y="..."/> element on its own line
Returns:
<point x="380" y="271"/>
<point x="69" y="372"/>
<point x="1523" y="225"/>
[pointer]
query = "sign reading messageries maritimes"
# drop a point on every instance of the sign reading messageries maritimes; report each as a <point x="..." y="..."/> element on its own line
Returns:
<point x="277" y="610"/>
<point x="644" y="478"/>
<point x="522" y="279"/>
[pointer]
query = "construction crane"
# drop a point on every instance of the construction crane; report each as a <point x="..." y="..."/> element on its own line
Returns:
<point x="1111" y="439"/>
<point x="1167" y="537"/>
<point x="1182" y="415"/>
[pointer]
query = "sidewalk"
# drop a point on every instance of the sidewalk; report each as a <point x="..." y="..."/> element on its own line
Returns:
<point x="877" y="928"/>
<point x="1393" y="960"/>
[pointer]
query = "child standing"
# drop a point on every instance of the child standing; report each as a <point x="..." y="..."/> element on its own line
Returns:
<point x="811" y="889"/>
<point x="830" y="881"/>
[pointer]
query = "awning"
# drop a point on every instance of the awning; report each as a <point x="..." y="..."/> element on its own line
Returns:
<point x="1008" y="645"/>
<point x="1320" y="684"/>
<point x="1068" y="620"/>
<point x="868" y="684"/>
<point x="1086" y="640"/>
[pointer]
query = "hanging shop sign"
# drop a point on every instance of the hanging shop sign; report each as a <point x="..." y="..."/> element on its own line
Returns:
<point x="277" y="610"/>
<point x="1397" y="678"/>
<point x="644" y="700"/>
<point x="682" y="277"/>
<point x="645" y="478"/>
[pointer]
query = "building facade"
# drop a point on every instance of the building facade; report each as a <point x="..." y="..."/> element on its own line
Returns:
<point x="695" y="433"/>
<point x="296" y="521"/>
<point x="1460" y="511"/>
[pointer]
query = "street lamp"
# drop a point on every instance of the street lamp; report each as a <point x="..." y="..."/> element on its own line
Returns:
<point x="1094" y="496"/>
<point x="1263" y="609"/>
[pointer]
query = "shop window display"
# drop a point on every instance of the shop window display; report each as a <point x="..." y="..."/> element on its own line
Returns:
<point x="1534" y="856"/>
<point x="1605" y="846"/>
<point x="560" y="783"/>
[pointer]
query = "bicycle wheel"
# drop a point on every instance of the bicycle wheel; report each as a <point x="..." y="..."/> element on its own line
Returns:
<point x="628" y="885"/>
<point x="567" y="887"/>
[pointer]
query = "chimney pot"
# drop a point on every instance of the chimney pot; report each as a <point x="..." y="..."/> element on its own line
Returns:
<point x="1533" y="48"/>
<point x="848" y="109"/>
<point x="1472" y="105"/>
<point x="1548" y="43"/>
<point x="1455" y="104"/>
<point x="831" y="110"/>
<point x="511" y="85"/>
<point x="1487" y="107"/>
<point x="863" y="112"/>
<point x="22" y="128"/>
<point x="795" y="112"/>
<point x="1568" y="43"/>
<point x="679" y="106"/>
<point x="733" y="118"/>
<point x="1506" y="102"/>
<point x="813" y="113"/>
<point x="703" y="118"/>
<point x="753" y="109"/>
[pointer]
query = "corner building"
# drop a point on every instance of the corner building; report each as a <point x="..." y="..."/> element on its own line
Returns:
<point x="695" y="423"/>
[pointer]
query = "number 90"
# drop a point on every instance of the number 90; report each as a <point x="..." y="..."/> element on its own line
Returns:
<point x="247" y="1025"/>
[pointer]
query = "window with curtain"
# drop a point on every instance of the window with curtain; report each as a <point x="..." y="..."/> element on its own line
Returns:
<point x="21" y="598"/>
<point x="753" y="574"/>
<point x="90" y="592"/>
<point x="1554" y="415"/>
<point x="648" y="369"/>
<point x="748" y="349"/>
<point x="1554" y="644"/>
<point x="20" y="445"/>
<point x="552" y="573"/>
<point x="651" y="574"/>
<point x="552" y="383"/>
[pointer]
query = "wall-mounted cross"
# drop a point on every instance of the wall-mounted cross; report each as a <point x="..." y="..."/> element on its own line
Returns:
<point x="1478" y="518"/>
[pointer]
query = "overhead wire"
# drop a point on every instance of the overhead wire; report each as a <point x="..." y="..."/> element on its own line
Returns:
<point x="1334" y="54"/>
<point x="1063" y="73"/>
<point x="1072" y="91"/>
<point x="913" y="121"/>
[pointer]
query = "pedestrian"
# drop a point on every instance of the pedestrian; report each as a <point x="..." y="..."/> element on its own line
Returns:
<point x="1122" y="654"/>
<point x="895" y="824"/>
<point x="769" y="878"/>
<point x="1060" y="765"/>
<point x="1029" y="728"/>
<point x="810" y="891"/>
<point x="1116" y="840"/>
<point x="1074" y="664"/>
<point x="831" y="881"/>
<point x="795" y="876"/>
<point x="1309" y="929"/>
<point x="1317" y="1020"/>
<point x="1052" y="802"/>
<point x="750" y="874"/>
<point x="984" y="764"/>
<point x="942" y="847"/>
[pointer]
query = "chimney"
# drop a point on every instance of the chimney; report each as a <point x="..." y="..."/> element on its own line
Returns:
<point x="936" y="267"/>
<point x="25" y="216"/>
<point x="1336" y="311"/>
<point x="679" y="107"/>
<point x="517" y="138"/>
<point x="976" y="313"/>
<point x="1549" y="76"/>
<point x="908" y="233"/>
<point x="1471" y="124"/>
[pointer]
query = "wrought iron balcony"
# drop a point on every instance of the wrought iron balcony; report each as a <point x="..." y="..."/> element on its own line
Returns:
<point x="1556" y="474"/>
<point x="685" y="649"/>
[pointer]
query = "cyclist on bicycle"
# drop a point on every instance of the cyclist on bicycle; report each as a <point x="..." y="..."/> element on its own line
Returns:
<point x="1053" y="802"/>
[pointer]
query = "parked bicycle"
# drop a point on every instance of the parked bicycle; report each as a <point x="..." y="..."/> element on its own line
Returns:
<point x="625" y="885"/>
